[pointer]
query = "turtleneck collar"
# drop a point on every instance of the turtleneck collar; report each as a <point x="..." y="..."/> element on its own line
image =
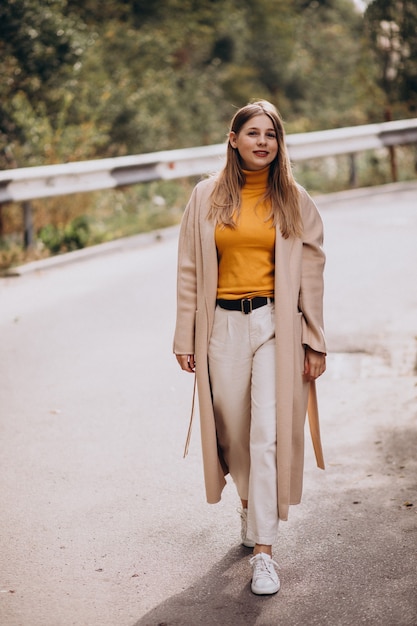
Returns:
<point x="256" y="179"/>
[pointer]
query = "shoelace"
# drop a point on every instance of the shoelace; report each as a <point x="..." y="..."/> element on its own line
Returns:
<point x="263" y="566"/>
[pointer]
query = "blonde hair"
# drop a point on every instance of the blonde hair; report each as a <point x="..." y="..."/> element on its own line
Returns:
<point x="282" y="193"/>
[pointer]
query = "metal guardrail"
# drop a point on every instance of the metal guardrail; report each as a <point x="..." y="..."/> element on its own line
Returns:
<point x="23" y="184"/>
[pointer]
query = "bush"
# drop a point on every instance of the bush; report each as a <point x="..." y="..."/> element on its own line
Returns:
<point x="74" y="236"/>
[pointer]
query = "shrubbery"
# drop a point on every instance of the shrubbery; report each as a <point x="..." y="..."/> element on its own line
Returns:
<point x="73" y="236"/>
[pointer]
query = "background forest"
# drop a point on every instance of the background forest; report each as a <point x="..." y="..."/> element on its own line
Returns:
<point x="82" y="79"/>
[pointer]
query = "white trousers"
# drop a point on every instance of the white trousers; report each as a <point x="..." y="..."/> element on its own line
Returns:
<point x="242" y="375"/>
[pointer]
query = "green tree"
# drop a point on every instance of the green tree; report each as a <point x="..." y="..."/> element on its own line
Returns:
<point x="82" y="79"/>
<point x="325" y="77"/>
<point x="391" y="26"/>
<point x="41" y="50"/>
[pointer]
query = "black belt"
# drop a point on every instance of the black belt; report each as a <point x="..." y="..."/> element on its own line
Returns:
<point x="246" y="305"/>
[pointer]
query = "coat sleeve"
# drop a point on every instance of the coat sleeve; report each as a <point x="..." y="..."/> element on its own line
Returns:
<point x="184" y="337"/>
<point x="312" y="269"/>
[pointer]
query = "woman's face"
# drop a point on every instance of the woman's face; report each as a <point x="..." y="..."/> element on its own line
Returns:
<point x="256" y="142"/>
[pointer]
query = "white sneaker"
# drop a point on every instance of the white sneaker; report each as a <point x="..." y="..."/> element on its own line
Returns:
<point x="249" y="543"/>
<point x="264" y="576"/>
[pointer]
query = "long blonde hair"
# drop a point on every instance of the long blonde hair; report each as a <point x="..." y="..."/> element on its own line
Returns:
<point x="282" y="193"/>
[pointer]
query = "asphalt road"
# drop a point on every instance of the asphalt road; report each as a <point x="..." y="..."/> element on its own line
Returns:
<point x="101" y="519"/>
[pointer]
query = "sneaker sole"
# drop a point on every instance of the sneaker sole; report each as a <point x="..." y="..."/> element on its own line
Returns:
<point x="263" y="592"/>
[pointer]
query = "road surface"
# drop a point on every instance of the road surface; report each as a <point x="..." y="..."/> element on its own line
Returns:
<point x="101" y="519"/>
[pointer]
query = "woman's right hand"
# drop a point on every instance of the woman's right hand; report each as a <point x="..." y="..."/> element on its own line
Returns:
<point x="187" y="362"/>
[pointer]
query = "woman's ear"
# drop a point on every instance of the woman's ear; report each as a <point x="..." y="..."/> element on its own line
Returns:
<point x="232" y="139"/>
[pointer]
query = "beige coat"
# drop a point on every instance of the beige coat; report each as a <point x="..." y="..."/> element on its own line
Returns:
<point x="299" y="265"/>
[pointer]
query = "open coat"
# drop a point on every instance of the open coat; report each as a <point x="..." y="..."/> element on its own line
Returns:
<point x="299" y="265"/>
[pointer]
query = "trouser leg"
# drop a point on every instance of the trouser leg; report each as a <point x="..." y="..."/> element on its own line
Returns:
<point x="262" y="500"/>
<point x="230" y="365"/>
<point x="242" y="373"/>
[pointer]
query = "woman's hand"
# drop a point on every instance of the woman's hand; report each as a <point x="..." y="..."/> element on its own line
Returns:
<point x="314" y="364"/>
<point x="187" y="362"/>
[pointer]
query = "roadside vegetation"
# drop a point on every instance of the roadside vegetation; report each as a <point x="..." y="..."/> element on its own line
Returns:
<point x="87" y="80"/>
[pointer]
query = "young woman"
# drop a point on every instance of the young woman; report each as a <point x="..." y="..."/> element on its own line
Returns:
<point x="249" y="324"/>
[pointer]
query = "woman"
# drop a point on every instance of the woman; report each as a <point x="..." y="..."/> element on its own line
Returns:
<point x="249" y="324"/>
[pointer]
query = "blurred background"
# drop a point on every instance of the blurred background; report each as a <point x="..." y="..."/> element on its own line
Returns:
<point x="85" y="80"/>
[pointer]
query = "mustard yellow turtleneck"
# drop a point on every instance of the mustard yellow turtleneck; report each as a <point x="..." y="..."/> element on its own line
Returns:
<point x="247" y="253"/>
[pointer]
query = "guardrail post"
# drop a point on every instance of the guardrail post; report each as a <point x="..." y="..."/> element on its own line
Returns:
<point x="27" y="224"/>
<point x="393" y="163"/>
<point x="353" y="174"/>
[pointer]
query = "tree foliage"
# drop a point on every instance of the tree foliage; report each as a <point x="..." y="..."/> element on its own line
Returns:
<point x="392" y="31"/>
<point x="40" y="48"/>
<point x="82" y="79"/>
